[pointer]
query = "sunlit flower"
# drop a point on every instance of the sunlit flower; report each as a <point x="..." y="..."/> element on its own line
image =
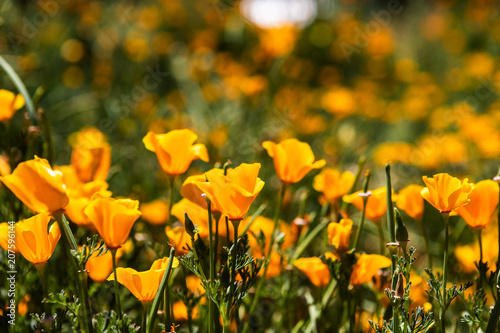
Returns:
<point x="332" y="184"/>
<point x="179" y="239"/>
<point x="192" y="192"/>
<point x="445" y="192"/>
<point x="197" y="214"/>
<point x="113" y="218"/>
<point x="483" y="201"/>
<point x="79" y="198"/>
<point x="5" y="236"/>
<point x="317" y="271"/>
<point x="339" y="234"/>
<point x="99" y="267"/>
<point x="367" y="266"/>
<point x="410" y="200"/>
<point x="376" y="206"/>
<point x="91" y="154"/>
<point x="34" y="240"/>
<point x="175" y="150"/>
<point x="181" y="312"/>
<point x="9" y="103"/>
<point x="292" y="159"/>
<point x="155" y="212"/>
<point x="234" y="193"/>
<point x="38" y="186"/>
<point x="143" y="285"/>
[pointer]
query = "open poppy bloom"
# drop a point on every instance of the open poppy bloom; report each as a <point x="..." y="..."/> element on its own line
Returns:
<point x="80" y="197"/>
<point x="376" y="206"/>
<point x="9" y="103"/>
<point x="175" y="150"/>
<point x="197" y="214"/>
<point x="410" y="200"/>
<point x="99" y="267"/>
<point x="143" y="285"/>
<point x="367" y="266"/>
<point x="315" y="269"/>
<point x="155" y="212"/>
<point x="33" y="239"/>
<point x="91" y="155"/>
<point x="234" y="193"/>
<point x="38" y="186"/>
<point x="339" y="234"/>
<point x="192" y="192"/>
<point x="113" y="218"/>
<point x="446" y="193"/>
<point x="292" y="159"/>
<point x="483" y="201"/>
<point x="332" y="184"/>
<point x="178" y="238"/>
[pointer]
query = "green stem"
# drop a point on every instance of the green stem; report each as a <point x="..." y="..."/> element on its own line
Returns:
<point x="495" y="317"/>
<point x="145" y="306"/>
<point x="446" y="218"/>
<point x="481" y="272"/>
<point x="381" y="237"/>
<point x="258" y="290"/>
<point x="156" y="302"/>
<point x="115" y="282"/>
<point x="234" y="253"/>
<point x="390" y="205"/>
<point x="211" y="305"/>
<point x="361" y="164"/>
<point x="365" y="200"/>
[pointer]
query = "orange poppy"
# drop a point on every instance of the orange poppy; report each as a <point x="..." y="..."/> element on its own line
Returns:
<point x="9" y="103"/>
<point x="316" y="271"/>
<point x="367" y="267"/>
<point x="339" y="234"/>
<point x="446" y="193"/>
<point x="483" y="202"/>
<point x="197" y="214"/>
<point x="5" y="236"/>
<point x="410" y="200"/>
<point x="99" y="267"/>
<point x="155" y="212"/>
<point x="192" y="192"/>
<point x="292" y="159"/>
<point x="332" y="184"/>
<point x="376" y="205"/>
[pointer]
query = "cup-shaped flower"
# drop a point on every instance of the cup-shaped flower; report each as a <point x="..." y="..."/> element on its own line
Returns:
<point x="34" y="240"/>
<point x="197" y="214"/>
<point x="410" y="200"/>
<point x="113" y="218"/>
<point x="143" y="285"/>
<point x="376" y="206"/>
<point x="9" y="103"/>
<point x="91" y="154"/>
<point x="178" y="238"/>
<point x="483" y="201"/>
<point x="192" y="192"/>
<point x="317" y="271"/>
<point x="5" y="235"/>
<point x="38" y="186"/>
<point x="175" y="150"/>
<point x="339" y="234"/>
<point x="367" y="266"/>
<point x="80" y="197"/>
<point x="332" y="184"/>
<point x="233" y="193"/>
<point x="99" y="267"/>
<point x="292" y="159"/>
<point x="155" y="212"/>
<point x="446" y="193"/>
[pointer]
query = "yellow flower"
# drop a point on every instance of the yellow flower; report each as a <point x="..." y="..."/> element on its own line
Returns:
<point x="155" y="212"/>
<point x="317" y="271"/>
<point x="143" y="285"/>
<point x="192" y="192"/>
<point x="367" y="266"/>
<point x="410" y="200"/>
<point x="38" y="186"/>
<point x="113" y="218"/>
<point x="80" y="197"/>
<point x="196" y="213"/>
<point x="34" y="240"/>
<point x="339" y="234"/>
<point x="175" y="150"/>
<point x="179" y="239"/>
<point x="292" y="159"/>
<point x="4" y="165"/>
<point x="9" y="103"/>
<point x="376" y="206"/>
<point x="91" y="154"/>
<point x="5" y="236"/>
<point x="446" y="193"/>
<point x="332" y="184"/>
<point x="99" y="267"/>
<point x="483" y="201"/>
<point x="234" y="193"/>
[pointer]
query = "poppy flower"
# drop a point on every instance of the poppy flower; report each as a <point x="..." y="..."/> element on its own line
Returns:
<point x="339" y="234"/>
<point x="38" y="186"/>
<point x="316" y="270"/>
<point x="233" y="193"/>
<point x="483" y="201"/>
<point x="410" y="200"/>
<point x="376" y="205"/>
<point x="4" y="165"/>
<point x="80" y="197"/>
<point x="99" y="267"/>
<point x="143" y="285"/>
<point x="34" y="240"/>
<point x="181" y="312"/>
<point x="175" y="150"/>
<point x="179" y="239"/>
<point x="332" y="184"/>
<point x="196" y="213"/>
<point x="113" y="218"/>
<point x="4" y="237"/>
<point x="192" y="192"/>
<point x="91" y="155"/>
<point x="292" y="159"/>
<point x="446" y="193"/>
<point x="155" y="212"/>
<point x="367" y="266"/>
<point x="9" y="103"/>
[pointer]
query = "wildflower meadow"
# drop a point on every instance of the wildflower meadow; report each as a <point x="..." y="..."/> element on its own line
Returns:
<point x="245" y="166"/>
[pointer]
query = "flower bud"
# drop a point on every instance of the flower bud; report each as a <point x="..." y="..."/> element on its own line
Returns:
<point x="188" y="225"/>
<point x="401" y="231"/>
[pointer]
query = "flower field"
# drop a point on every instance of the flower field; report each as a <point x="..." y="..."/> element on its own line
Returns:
<point x="249" y="166"/>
